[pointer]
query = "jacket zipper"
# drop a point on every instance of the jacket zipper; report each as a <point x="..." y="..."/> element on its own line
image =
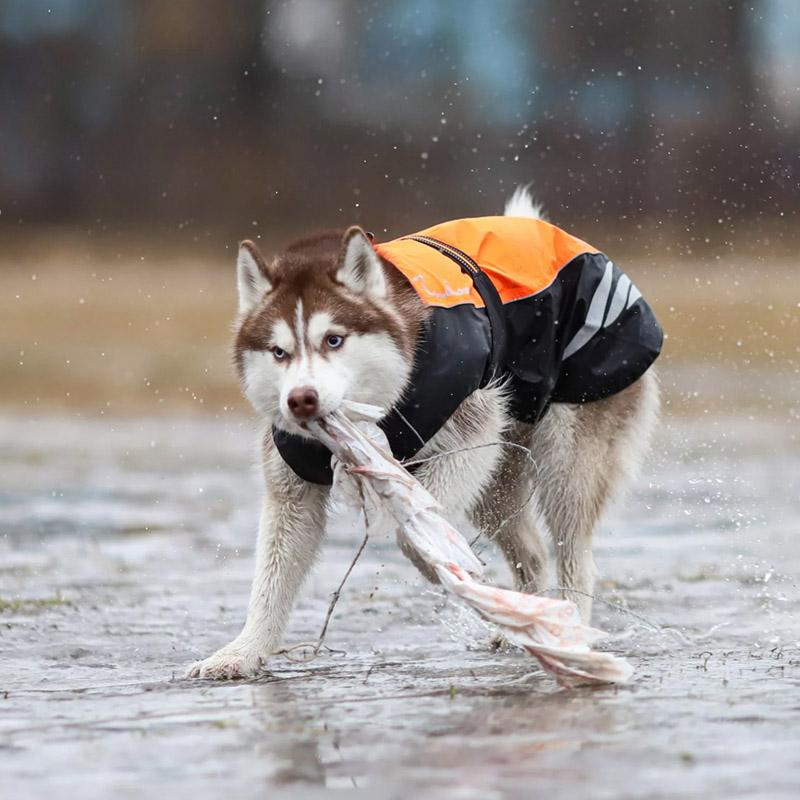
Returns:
<point x="467" y="264"/>
<point x="488" y="293"/>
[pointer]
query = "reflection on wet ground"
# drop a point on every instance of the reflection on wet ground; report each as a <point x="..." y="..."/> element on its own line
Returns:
<point x="126" y="553"/>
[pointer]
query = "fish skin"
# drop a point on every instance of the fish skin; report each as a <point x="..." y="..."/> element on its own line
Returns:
<point x="549" y="629"/>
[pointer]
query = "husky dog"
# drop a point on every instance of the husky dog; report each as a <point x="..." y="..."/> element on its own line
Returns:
<point x="331" y="319"/>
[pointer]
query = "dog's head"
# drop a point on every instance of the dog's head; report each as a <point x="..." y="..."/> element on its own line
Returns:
<point x="318" y="325"/>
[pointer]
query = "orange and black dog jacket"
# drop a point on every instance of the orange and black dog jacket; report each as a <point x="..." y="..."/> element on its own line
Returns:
<point x="512" y="300"/>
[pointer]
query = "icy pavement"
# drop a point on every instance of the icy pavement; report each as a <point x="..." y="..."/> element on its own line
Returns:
<point x="126" y="553"/>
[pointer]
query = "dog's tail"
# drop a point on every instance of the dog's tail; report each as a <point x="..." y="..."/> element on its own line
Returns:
<point x="523" y="204"/>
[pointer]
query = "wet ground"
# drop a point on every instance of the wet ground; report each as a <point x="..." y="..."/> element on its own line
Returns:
<point x="126" y="553"/>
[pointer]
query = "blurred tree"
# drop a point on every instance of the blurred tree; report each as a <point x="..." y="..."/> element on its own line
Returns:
<point x="190" y="115"/>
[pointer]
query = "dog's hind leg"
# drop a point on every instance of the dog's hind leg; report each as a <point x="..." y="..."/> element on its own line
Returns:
<point x="506" y="514"/>
<point x="584" y="452"/>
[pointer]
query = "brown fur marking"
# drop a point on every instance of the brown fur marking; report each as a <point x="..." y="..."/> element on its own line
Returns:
<point x="306" y="271"/>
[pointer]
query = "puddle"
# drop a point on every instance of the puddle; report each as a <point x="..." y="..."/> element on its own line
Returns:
<point x="126" y="553"/>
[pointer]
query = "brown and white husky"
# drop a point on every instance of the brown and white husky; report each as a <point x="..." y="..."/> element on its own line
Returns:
<point x="330" y="320"/>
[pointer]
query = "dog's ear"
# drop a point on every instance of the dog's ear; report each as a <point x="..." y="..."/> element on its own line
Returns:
<point x="252" y="276"/>
<point x="360" y="269"/>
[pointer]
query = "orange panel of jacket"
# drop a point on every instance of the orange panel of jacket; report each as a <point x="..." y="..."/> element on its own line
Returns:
<point x="521" y="257"/>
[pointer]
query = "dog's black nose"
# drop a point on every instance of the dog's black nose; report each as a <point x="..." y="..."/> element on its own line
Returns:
<point x="303" y="402"/>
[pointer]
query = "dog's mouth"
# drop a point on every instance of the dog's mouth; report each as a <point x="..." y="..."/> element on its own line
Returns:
<point x="297" y="427"/>
<point x="301" y="427"/>
<point x="353" y="410"/>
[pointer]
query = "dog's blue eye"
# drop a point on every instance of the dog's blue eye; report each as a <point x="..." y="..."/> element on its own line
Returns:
<point x="279" y="353"/>
<point x="335" y="341"/>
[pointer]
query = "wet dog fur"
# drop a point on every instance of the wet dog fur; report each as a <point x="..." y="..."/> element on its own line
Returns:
<point x="329" y="315"/>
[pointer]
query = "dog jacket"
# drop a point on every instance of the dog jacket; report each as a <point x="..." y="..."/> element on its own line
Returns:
<point x="512" y="300"/>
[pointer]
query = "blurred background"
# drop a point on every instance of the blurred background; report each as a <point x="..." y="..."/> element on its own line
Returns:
<point x="140" y="140"/>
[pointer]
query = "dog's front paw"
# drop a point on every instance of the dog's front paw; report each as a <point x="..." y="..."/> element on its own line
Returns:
<point x="229" y="663"/>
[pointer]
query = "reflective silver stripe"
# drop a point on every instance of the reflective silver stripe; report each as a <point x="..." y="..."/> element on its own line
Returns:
<point x="594" y="316"/>
<point x="618" y="300"/>
<point x="634" y="296"/>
